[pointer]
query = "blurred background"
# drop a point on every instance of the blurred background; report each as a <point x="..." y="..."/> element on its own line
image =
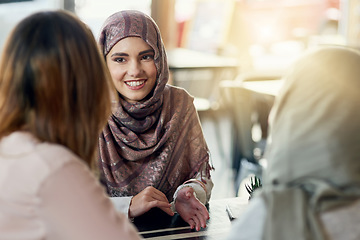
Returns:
<point x="230" y="55"/>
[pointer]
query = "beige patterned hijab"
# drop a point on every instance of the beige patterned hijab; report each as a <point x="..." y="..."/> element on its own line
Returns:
<point x="314" y="153"/>
<point x="157" y="142"/>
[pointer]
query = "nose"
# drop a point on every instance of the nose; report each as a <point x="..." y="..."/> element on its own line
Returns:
<point x="134" y="69"/>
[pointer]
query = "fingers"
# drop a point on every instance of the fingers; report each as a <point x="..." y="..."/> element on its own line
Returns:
<point x="149" y="198"/>
<point x="203" y="211"/>
<point x="156" y="192"/>
<point x="191" y="223"/>
<point x="197" y="222"/>
<point x="152" y="194"/>
<point x="202" y="219"/>
<point x="159" y="200"/>
<point x="199" y="208"/>
<point x="193" y="212"/>
<point x="164" y="206"/>
<point x="200" y="216"/>
<point x="167" y="210"/>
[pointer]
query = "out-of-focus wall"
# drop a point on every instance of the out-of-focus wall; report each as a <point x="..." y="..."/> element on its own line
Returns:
<point x="95" y="12"/>
<point x="350" y="26"/>
<point x="12" y="13"/>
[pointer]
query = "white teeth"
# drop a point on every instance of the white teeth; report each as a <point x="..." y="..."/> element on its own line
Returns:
<point x="134" y="83"/>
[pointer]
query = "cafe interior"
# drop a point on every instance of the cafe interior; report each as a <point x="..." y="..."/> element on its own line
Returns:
<point x="230" y="55"/>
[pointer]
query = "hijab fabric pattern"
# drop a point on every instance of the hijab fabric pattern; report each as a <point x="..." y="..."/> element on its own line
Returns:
<point x="156" y="142"/>
<point x="313" y="154"/>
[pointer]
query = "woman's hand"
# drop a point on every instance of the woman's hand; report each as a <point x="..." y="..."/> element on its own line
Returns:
<point x="191" y="209"/>
<point x="149" y="198"/>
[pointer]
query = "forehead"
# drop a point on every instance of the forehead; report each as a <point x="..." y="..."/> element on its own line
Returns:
<point x="131" y="44"/>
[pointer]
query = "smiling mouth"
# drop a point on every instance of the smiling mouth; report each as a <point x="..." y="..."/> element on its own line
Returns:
<point x="135" y="83"/>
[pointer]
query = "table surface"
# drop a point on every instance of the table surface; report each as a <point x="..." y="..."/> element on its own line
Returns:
<point x="158" y="225"/>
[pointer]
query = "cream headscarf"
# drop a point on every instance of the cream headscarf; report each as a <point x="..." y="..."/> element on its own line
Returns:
<point x="314" y="148"/>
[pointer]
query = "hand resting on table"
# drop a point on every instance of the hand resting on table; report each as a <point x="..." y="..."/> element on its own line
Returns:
<point x="147" y="199"/>
<point x="191" y="209"/>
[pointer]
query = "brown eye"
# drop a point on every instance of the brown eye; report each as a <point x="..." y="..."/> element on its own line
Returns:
<point x="147" y="57"/>
<point x="119" y="59"/>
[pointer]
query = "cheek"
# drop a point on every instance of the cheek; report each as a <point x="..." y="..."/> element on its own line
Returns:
<point x="154" y="74"/>
<point x="153" y="71"/>
<point x="116" y="72"/>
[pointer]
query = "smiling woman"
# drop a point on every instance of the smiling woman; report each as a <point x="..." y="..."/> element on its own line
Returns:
<point x="132" y="67"/>
<point x="152" y="150"/>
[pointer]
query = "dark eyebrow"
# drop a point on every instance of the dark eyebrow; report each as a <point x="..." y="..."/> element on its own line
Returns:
<point x="119" y="54"/>
<point x="147" y="51"/>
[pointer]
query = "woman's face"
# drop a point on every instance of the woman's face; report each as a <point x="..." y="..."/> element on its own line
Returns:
<point x="132" y="68"/>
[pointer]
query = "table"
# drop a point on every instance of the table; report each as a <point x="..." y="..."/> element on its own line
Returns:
<point x="157" y="225"/>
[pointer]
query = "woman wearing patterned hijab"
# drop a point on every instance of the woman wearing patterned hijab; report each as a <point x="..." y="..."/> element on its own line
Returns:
<point x="152" y="150"/>
<point x="311" y="187"/>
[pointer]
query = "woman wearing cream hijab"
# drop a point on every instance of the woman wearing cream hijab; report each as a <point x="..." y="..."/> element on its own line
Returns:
<point x="311" y="188"/>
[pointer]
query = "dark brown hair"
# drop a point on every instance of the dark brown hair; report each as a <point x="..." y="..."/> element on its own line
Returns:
<point x="54" y="82"/>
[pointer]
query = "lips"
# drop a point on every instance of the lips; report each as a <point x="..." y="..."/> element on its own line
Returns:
<point x="135" y="85"/>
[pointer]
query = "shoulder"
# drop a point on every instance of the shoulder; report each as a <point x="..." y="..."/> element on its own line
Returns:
<point x="23" y="145"/>
<point x="26" y="150"/>
<point x="55" y="155"/>
<point x="178" y="91"/>
<point x="27" y="160"/>
<point x="178" y="97"/>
